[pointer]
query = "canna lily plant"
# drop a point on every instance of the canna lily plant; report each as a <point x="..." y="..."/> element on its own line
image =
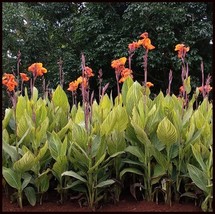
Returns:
<point x="93" y="148"/>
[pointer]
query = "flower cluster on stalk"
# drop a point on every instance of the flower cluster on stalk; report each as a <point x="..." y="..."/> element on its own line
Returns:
<point x="37" y="69"/>
<point x="9" y="81"/>
<point x="73" y="86"/>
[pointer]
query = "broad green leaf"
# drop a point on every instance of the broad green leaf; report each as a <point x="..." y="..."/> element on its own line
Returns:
<point x="128" y="161"/>
<point x="54" y="144"/>
<point x="187" y="85"/>
<point x="79" y="135"/>
<point x="40" y="112"/>
<point x="167" y="105"/>
<point x="190" y="131"/>
<point x="106" y="103"/>
<point x="187" y="116"/>
<point x="23" y="126"/>
<point x="70" y="186"/>
<point x="42" y="152"/>
<point x="97" y="163"/>
<point x="23" y="137"/>
<point x="141" y="134"/>
<point x="26" y="181"/>
<point x="115" y="142"/>
<point x="198" y="157"/>
<point x="79" y="117"/>
<point x="60" y="99"/>
<point x="205" y="204"/>
<point x="63" y="150"/>
<point x="25" y="163"/>
<point x="189" y="194"/>
<point x="135" y="150"/>
<point x="74" y="175"/>
<point x="63" y="131"/>
<point x="152" y="111"/>
<point x="42" y="181"/>
<point x="199" y="119"/>
<point x="78" y="157"/>
<point x="20" y="107"/>
<point x="35" y="94"/>
<point x="12" y="178"/>
<point x="5" y="136"/>
<point x="198" y="177"/>
<point x="109" y="123"/>
<point x="98" y="148"/>
<point x="41" y="131"/>
<point x="31" y="195"/>
<point x="60" y="166"/>
<point x="133" y="96"/>
<point x="125" y="87"/>
<point x="7" y="117"/>
<point x="131" y="170"/>
<point x="166" y="132"/>
<point x="105" y="183"/>
<point x="158" y="173"/>
<point x="122" y="118"/>
<point x="160" y="158"/>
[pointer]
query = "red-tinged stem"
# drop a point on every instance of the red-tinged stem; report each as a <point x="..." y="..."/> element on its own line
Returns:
<point x="84" y="93"/>
<point x="145" y="58"/>
<point x="203" y="80"/>
<point x="18" y="63"/>
<point x="170" y="81"/>
<point x="61" y="75"/>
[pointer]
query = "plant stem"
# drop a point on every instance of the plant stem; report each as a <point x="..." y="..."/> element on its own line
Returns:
<point x="145" y="63"/>
<point x="20" y="198"/>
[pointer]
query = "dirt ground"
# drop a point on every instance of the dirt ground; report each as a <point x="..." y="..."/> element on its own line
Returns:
<point x="127" y="204"/>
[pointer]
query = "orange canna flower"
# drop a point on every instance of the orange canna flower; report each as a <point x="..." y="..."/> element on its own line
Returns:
<point x="182" y="50"/>
<point x="207" y="88"/>
<point x="181" y="89"/>
<point x="37" y="69"/>
<point x="73" y="86"/>
<point x="146" y="43"/>
<point x="118" y="62"/>
<point x="144" y="35"/>
<point x="9" y="81"/>
<point x="125" y="74"/>
<point x="119" y="65"/>
<point x="132" y="46"/>
<point x="89" y="72"/>
<point x="84" y="82"/>
<point x="79" y="80"/>
<point x="24" y="77"/>
<point x="149" y="84"/>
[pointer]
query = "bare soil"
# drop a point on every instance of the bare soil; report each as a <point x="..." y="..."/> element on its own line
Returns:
<point x="127" y="204"/>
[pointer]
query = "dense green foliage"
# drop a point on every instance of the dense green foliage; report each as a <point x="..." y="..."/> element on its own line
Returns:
<point x="130" y="141"/>
<point x="44" y="32"/>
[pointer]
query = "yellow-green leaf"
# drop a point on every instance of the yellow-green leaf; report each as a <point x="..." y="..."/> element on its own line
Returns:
<point x="166" y="132"/>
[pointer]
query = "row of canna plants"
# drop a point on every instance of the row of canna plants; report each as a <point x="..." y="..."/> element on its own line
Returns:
<point x="94" y="151"/>
<point x="157" y="145"/>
